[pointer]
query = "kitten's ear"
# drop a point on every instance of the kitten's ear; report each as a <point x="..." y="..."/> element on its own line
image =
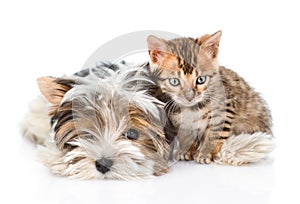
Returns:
<point x="210" y="44"/>
<point x="54" y="89"/>
<point x="158" y="49"/>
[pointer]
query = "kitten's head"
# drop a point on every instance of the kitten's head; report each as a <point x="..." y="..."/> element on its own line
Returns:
<point x="104" y="128"/>
<point x="185" y="67"/>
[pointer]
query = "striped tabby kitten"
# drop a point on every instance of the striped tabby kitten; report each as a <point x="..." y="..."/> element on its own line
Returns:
<point x="213" y="113"/>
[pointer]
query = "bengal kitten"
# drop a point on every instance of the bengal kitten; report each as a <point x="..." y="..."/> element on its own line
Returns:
<point x="214" y="114"/>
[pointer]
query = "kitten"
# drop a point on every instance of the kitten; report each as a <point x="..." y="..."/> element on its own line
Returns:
<point x="214" y="114"/>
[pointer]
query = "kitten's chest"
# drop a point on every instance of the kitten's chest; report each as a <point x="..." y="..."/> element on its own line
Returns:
<point x="190" y="119"/>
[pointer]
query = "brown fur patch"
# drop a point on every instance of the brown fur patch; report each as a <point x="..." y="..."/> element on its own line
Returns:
<point x="189" y="78"/>
<point x="164" y="60"/>
<point x="54" y="89"/>
<point x="138" y="117"/>
<point x="217" y="148"/>
<point x="65" y="134"/>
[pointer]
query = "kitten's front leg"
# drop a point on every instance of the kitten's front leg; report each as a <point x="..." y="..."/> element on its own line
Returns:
<point x="216" y="132"/>
<point x="184" y="145"/>
<point x="187" y="155"/>
<point x="204" y="155"/>
<point x="209" y="145"/>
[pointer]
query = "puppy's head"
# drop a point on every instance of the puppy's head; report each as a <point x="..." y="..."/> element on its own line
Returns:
<point x="105" y="128"/>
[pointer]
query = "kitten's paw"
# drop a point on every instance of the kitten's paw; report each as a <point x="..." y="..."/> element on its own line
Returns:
<point x="188" y="156"/>
<point x="184" y="156"/>
<point x="203" y="158"/>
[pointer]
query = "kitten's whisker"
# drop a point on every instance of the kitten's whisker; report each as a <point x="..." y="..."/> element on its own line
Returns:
<point x="171" y="106"/>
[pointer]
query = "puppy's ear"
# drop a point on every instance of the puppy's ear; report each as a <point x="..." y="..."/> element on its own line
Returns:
<point x="54" y="89"/>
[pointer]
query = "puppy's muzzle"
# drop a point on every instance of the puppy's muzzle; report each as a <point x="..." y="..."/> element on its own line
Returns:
<point x="103" y="165"/>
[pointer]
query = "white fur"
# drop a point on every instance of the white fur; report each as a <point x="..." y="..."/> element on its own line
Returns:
<point x="61" y="162"/>
<point x="109" y="99"/>
<point x="36" y="123"/>
<point x="245" y="148"/>
<point x="119" y="82"/>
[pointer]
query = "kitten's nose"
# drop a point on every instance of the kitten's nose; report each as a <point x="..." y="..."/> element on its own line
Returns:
<point x="189" y="95"/>
<point x="103" y="165"/>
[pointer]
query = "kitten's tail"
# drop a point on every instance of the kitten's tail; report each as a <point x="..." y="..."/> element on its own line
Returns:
<point x="36" y="123"/>
<point x="245" y="148"/>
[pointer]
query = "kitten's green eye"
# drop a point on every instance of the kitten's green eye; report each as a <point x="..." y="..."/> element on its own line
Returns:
<point x="201" y="80"/>
<point x="174" y="81"/>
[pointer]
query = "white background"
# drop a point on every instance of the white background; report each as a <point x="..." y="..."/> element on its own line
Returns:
<point x="260" y="41"/>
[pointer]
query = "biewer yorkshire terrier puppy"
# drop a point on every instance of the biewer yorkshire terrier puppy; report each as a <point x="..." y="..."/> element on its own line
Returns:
<point x="99" y="124"/>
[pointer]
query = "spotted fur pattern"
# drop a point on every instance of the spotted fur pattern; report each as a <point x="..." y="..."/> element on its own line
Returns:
<point x="207" y="104"/>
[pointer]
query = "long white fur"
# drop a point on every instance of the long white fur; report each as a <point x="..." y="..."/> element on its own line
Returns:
<point x="245" y="148"/>
<point x="80" y="161"/>
<point x="36" y="124"/>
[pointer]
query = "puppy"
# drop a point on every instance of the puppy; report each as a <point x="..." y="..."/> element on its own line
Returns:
<point x="99" y="124"/>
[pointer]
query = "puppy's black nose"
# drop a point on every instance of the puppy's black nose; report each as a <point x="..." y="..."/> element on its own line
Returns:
<point x="103" y="165"/>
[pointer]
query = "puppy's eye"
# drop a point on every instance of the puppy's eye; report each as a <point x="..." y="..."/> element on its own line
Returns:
<point x="174" y="81"/>
<point x="132" y="134"/>
<point x="201" y="80"/>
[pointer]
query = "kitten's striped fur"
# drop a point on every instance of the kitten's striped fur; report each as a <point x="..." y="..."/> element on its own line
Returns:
<point x="205" y="115"/>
